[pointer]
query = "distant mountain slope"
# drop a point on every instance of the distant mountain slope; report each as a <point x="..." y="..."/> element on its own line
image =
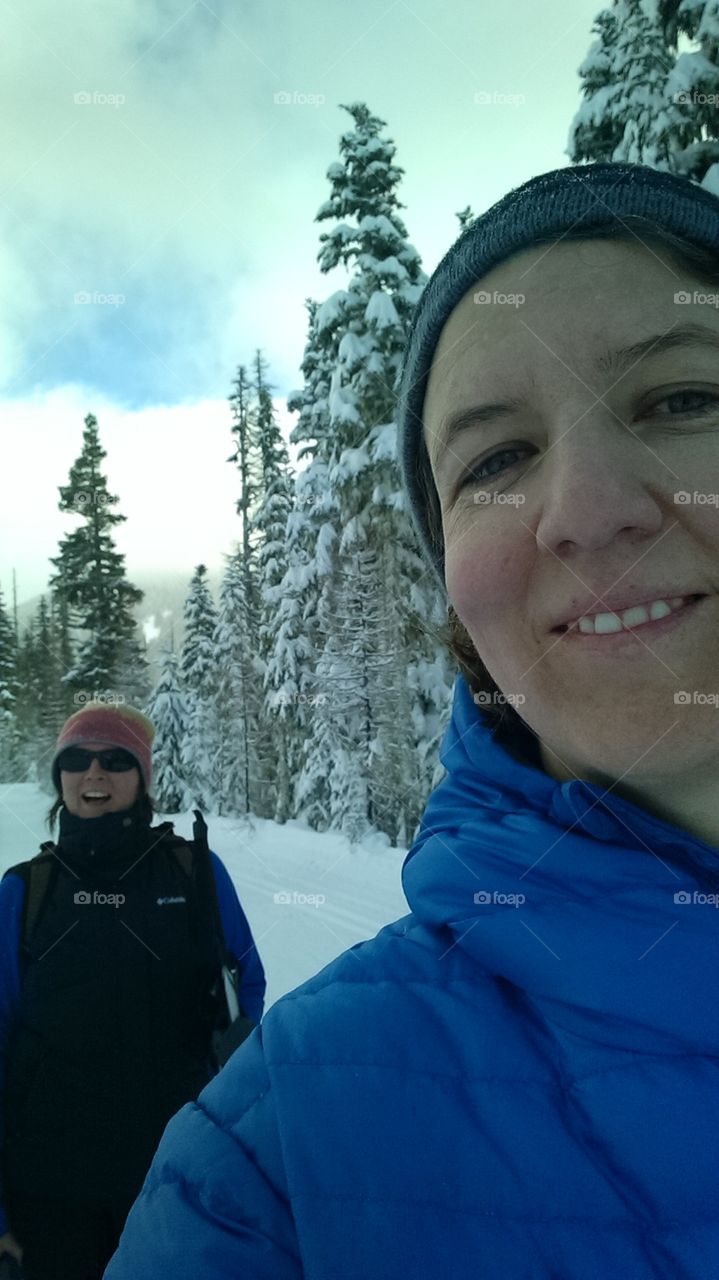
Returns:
<point x="159" y="615"/>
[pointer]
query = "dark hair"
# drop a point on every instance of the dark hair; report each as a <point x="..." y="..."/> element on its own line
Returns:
<point x="144" y="804"/>
<point x="507" y="725"/>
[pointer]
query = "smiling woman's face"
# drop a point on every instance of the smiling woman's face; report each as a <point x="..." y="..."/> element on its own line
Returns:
<point x="119" y="789"/>
<point x="582" y="510"/>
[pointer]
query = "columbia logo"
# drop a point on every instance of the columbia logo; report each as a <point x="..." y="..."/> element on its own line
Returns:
<point x="163" y="902"/>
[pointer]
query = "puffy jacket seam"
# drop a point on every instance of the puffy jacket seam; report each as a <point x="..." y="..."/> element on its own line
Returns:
<point x="408" y="1069"/>
<point x="497" y="1215"/>
<point x="229" y="1133"/>
<point x="299" y="994"/>
<point x="172" y="1175"/>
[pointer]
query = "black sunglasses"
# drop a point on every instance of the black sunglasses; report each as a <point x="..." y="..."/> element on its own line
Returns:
<point x="78" y="759"/>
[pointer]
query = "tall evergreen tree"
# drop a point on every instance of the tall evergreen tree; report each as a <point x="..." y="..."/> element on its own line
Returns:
<point x="291" y="678"/>
<point x="361" y="332"/>
<point x="167" y="708"/>
<point x="274" y="748"/>
<point x="245" y="458"/>
<point x="10" y="737"/>
<point x="597" y="128"/>
<point x="44" y="682"/>
<point x="694" y="87"/>
<point x="198" y="668"/>
<point x="238" y="696"/>
<point x="632" y="111"/>
<point x="643" y="63"/>
<point x="91" y="579"/>
<point x="64" y="655"/>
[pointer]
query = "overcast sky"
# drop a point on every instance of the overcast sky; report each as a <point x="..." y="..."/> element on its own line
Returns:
<point x="146" y="165"/>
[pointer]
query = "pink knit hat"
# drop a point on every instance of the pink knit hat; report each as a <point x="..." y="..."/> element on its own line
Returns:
<point x="113" y="726"/>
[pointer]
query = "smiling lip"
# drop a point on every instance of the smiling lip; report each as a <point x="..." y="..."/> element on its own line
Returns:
<point x="616" y="639"/>
<point x="618" y="605"/>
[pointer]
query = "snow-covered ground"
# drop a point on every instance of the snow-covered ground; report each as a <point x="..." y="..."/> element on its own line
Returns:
<point x="331" y="895"/>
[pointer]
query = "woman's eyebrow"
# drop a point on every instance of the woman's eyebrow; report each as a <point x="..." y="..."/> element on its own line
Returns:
<point x="685" y="335"/>
<point x="609" y="362"/>
<point x="463" y="419"/>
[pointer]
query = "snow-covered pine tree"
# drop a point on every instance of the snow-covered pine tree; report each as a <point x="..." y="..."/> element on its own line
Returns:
<point x="45" y="683"/>
<point x="62" y="642"/>
<point x="642" y="64"/>
<point x="362" y="331"/>
<point x="245" y="405"/>
<point x="91" y="579"/>
<point x="367" y="694"/>
<point x="291" y="678"/>
<point x="198" y="667"/>
<point x="246" y="459"/>
<point x="630" y="113"/>
<point x="270" y="525"/>
<point x="596" y="130"/>
<point x="10" y="736"/>
<point x="238" y="695"/>
<point x="693" y="86"/>
<point x="167" y="708"/>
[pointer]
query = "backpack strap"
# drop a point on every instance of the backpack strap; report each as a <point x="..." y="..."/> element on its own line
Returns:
<point x="37" y="875"/>
<point x="206" y="880"/>
<point x="233" y="1026"/>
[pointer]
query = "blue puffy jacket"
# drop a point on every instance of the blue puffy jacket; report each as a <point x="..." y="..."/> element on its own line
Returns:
<point x="519" y="1079"/>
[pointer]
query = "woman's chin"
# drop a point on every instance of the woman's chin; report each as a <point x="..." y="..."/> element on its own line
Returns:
<point x="634" y="746"/>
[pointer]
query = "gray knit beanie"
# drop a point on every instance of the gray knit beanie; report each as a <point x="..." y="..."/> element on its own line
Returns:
<point x="552" y="204"/>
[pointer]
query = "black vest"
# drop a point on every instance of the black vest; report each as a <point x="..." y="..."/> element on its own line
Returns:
<point x="116" y="1016"/>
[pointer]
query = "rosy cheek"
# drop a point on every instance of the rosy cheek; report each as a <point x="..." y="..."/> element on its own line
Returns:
<point x="476" y="578"/>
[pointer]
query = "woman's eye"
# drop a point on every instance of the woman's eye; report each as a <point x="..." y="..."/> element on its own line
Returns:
<point x="475" y="474"/>
<point x="484" y="470"/>
<point x="712" y="402"/>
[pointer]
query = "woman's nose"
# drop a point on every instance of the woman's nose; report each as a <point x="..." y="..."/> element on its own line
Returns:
<point x="598" y="486"/>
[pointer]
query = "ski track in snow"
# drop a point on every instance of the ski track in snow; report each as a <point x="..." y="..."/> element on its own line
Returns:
<point x="361" y="885"/>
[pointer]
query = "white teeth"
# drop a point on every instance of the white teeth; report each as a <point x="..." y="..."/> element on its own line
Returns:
<point x="600" y="623"/>
<point x="605" y="623"/>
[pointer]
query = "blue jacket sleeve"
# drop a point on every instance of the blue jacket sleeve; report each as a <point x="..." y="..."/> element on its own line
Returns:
<point x="12" y="892"/>
<point x="215" y="1201"/>
<point x="238" y="936"/>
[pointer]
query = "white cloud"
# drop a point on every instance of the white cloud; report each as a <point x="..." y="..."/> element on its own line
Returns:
<point x="166" y="464"/>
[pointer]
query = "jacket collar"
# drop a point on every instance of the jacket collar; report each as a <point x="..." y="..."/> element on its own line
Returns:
<point x="599" y="938"/>
<point x="106" y="843"/>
